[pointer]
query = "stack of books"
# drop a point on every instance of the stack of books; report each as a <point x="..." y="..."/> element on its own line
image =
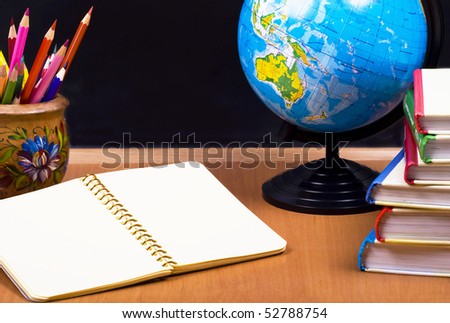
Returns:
<point x="412" y="232"/>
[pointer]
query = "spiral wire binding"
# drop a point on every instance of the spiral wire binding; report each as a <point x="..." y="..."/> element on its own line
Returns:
<point x="128" y="220"/>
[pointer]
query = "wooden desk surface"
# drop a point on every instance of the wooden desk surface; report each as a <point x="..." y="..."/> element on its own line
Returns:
<point x="319" y="265"/>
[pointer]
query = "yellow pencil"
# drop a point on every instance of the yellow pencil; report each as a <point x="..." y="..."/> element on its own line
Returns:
<point x="26" y="74"/>
<point x="3" y="78"/>
<point x="3" y="61"/>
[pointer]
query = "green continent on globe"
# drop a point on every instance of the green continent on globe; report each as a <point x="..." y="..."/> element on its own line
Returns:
<point x="273" y="69"/>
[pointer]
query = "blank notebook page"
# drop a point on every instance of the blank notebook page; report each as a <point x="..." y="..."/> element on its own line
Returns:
<point x="62" y="239"/>
<point x="192" y="215"/>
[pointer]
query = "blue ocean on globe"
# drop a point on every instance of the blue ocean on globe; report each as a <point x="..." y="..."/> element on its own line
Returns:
<point x="331" y="65"/>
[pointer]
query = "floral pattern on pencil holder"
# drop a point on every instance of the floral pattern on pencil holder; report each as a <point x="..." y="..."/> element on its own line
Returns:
<point x="34" y="146"/>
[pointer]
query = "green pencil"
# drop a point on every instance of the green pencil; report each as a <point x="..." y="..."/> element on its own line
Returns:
<point x="20" y="76"/>
<point x="10" y="86"/>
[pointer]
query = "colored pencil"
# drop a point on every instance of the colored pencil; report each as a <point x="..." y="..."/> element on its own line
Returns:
<point x="38" y="92"/>
<point x="3" y="62"/>
<point x="38" y="63"/>
<point x="76" y="40"/>
<point x="20" y="76"/>
<point x="26" y="74"/>
<point x="45" y="67"/>
<point x="12" y="35"/>
<point x="10" y="86"/>
<point x="3" y="76"/>
<point x="20" y="40"/>
<point x="54" y="85"/>
<point x="48" y="61"/>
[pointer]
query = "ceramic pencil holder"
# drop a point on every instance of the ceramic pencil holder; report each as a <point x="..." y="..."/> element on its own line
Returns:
<point x="34" y="146"/>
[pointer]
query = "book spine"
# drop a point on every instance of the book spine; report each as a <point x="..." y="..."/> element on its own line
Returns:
<point x="425" y="141"/>
<point x="420" y="139"/>
<point x="380" y="216"/>
<point x="127" y="220"/>
<point x="378" y="180"/>
<point x="418" y="99"/>
<point x="411" y="159"/>
<point x="371" y="238"/>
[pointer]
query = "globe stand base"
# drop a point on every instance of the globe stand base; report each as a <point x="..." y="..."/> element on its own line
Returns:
<point x="328" y="186"/>
<point x="323" y="191"/>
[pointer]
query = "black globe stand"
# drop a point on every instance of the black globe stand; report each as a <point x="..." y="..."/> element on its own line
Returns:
<point x="328" y="186"/>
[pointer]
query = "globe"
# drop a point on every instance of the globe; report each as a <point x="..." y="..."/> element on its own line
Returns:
<point x="337" y="67"/>
<point x="331" y="66"/>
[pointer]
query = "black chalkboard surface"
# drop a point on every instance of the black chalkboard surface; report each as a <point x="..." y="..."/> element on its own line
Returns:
<point x="155" y="72"/>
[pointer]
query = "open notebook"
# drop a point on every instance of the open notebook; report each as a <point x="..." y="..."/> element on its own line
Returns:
<point x="115" y="229"/>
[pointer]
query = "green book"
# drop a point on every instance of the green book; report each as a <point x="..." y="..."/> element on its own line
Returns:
<point x="432" y="148"/>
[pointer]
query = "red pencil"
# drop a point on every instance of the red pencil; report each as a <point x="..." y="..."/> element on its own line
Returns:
<point x="76" y="40"/>
<point x="20" y="40"/>
<point x="12" y="35"/>
<point x="39" y="61"/>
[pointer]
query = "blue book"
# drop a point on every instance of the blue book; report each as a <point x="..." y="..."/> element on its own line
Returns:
<point x="371" y="238"/>
<point x="402" y="258"/>
<point x="391" y="189"/>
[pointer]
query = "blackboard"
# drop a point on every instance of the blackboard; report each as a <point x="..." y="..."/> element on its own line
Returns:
<point x="155" y="72"/>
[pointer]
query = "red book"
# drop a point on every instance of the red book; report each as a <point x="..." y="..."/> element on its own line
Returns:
<point x="431" y="113"/>
<point x="378" y="221"/>
<point x="412" y="226"/>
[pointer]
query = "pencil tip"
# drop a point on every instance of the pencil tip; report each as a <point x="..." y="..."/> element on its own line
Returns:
<point x="27" y="12"/>
<point x="90" y="10"/>
<point x="12" y="22"/>
<point x="54" y="24"/>
<point x="66" y="43"/>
